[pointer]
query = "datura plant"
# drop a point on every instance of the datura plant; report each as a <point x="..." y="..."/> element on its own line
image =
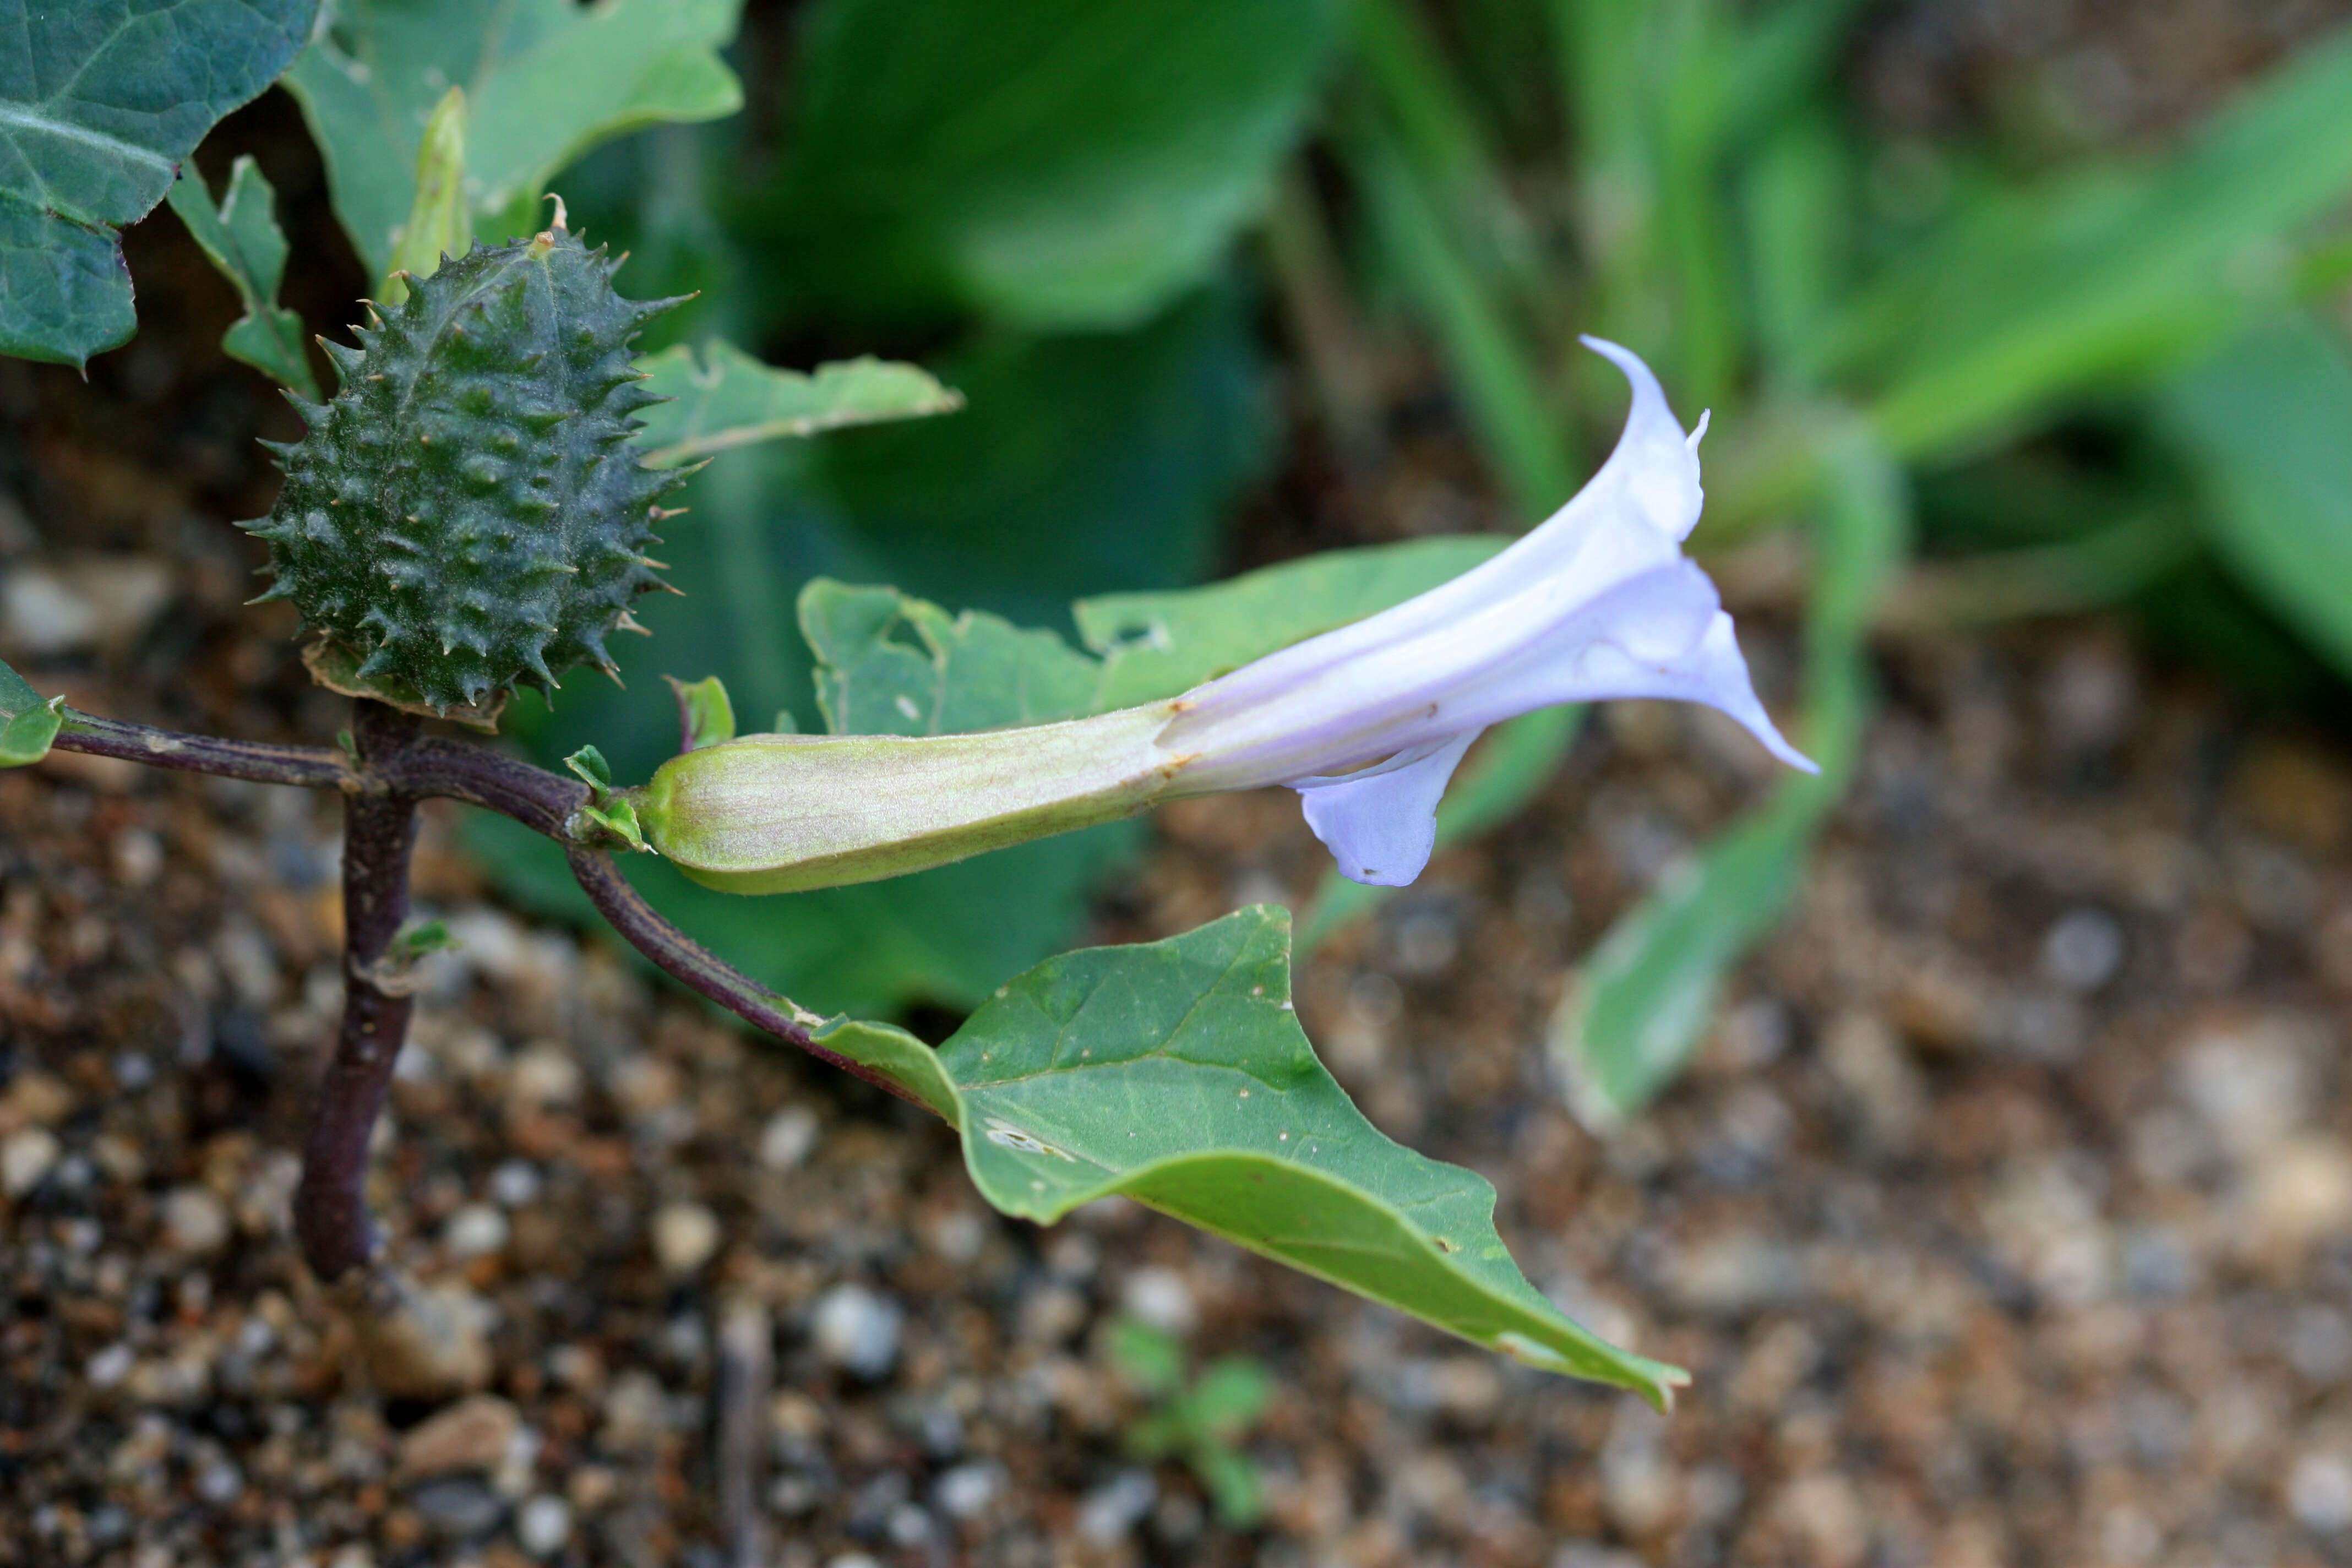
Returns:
<point x="473" y="512"/>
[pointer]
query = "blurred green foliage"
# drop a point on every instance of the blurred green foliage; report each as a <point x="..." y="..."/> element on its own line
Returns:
<point x="1201" y="1419"/>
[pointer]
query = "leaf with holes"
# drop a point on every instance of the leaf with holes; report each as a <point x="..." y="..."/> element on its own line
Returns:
<point x="727" y="398"/>
<point x="243" y="242"/>
<point x="99" y="102"/>
<point x="1176" y="1074"/>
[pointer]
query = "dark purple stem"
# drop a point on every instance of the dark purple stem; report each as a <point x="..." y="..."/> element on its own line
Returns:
<point x="308" y="767"/>
<point x="331" y="1206"/>
<point x="698" y="969"/>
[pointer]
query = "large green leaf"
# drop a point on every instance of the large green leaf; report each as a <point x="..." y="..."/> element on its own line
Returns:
<point x="100" y="101"/>
<point x="545" y="80"/>
<point x="1176" y="1074"/>
<point x="889" y="664"/>
<point x="243" y="242"/>
<point x="28" y="721"/>
<point x="1157" y="645"/>
<point x="1054" y="163"/>
<point x="725" y="398"/>
<point x="2267" y="426"/>
<point x="1630" y="1019"/>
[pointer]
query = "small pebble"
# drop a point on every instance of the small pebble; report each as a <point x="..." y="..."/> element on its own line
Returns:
<point x="516" y="1184"/>
<point x="220" y="1483"/>
<point x="458" y="1510"/>
<point x="1114" y="1509"/>
<point x="428" y="1344"/>
<point x="965" y="1491"/>
<point x="476" y="1230"/>
<point x="544" y="1074"/>
<point x="544" y="1524"/>
<point x="685" y="1236"/>
<point x="788" y="1138"/>
<point x="857" y="1331"/>
<point x="1162" y="1299"/>
<point x="908" y="1526"/>
<point x="195" y="1221"/>
<point x="2082" y="951"/>
<point x="2319" y="1490"/>
<point x="474" y="1434"/>
<point x="110" y="1365"/>
<point x="25" y="1157"/>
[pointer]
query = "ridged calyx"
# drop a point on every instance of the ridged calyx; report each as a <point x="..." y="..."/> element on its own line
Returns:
<point x="468" y="514"/>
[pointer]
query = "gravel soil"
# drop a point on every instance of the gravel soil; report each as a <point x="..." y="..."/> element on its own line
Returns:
<point x="2006" y="1217"/>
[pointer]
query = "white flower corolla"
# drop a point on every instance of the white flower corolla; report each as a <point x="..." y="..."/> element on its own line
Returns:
<point x="1367" y="723"/>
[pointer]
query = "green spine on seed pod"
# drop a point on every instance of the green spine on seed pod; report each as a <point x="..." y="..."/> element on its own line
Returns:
<point x="468" y="513"/>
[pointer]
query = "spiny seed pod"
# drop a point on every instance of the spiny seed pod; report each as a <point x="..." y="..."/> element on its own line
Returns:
<point x="468" y="514"/>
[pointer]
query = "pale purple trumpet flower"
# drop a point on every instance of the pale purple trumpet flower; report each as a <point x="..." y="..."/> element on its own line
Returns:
<point x="1367" y="723"/>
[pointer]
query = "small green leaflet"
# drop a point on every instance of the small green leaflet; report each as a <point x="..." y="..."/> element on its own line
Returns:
<point x="243" y="242"/>
<point x="2266" y="425"/>
<point x="1630" y="1019"/>
<point x="101" y="101"/>
<point x="731" y="399"/>
<point x="705" y="715"/>
<point x="545" y="81"/>
<point x="1176" y="1074"/>
<point x="28" y="721"/>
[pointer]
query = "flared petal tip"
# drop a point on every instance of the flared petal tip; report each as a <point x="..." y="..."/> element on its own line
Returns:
<point x="1655" y="465"/>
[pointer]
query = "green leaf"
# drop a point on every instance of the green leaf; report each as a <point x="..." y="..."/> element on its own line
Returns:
<point x="1230" y="1398"/>
<point x="727" y="398"/>
<point x="2102" y="275"/>
<point x="705" y="715"/>
<point x="890" y="665"/>
<point x="242" y="241"/>
<point x="1151" y="1359"/>
<point x="28" y="721"/>
<point x="545" y="80"/>
<point x="2266" y="425"/>
<point x="1232" y="1485"/>
<point x="99" y="102"/>
<point x="1054" y="163"/>
<point x="1176" y="1074"/>
<point x="1632" y="1015"/>
<point x="440" y="222"/>
<point x="1157" y="645"/>
<point x="588" y="764"/>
